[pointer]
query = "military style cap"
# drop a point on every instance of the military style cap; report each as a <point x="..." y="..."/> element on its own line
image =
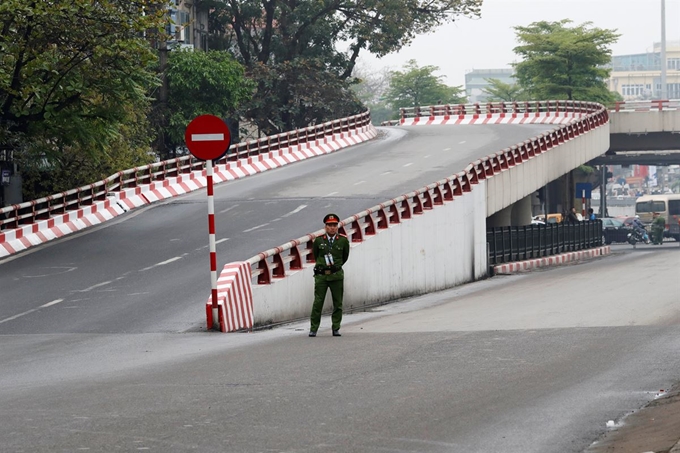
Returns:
<point x="331" y="218"/>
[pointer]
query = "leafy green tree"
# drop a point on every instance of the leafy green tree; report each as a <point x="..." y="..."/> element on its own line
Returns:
<point x="71" y="73"/>
<point x="71" y="166"/>
<point x="202" y="83"/>
<point x="418" y="86"/>
<point x="505" y="92"/>
<point x="298" y="93"/>
<point x="562" y="62"/>
<point x="309" y="34"/>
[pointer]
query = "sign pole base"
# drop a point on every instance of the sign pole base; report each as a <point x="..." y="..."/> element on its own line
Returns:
<point x="216" y="319"/>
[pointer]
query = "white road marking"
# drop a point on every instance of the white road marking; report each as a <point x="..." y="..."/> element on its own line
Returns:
<point x="425" y="157"/>
<point x="228" y="209"/>
<point x="206" y="246"/>
<point x="460" y="143"/>
<point x="66" y="269"/>
<point x="162" y="263"/>
<point x="91" y="287"/>
<point x="48" y="304"/>
<point x="385" y="173"/>
<point x="409" y="164"/>
<point x="295" y="211"/>
<point x="331" y="194"/>
<point x="255" y="228"/>
<point x="360" y="182"/>
<point x="207" y="137"/>
<point x="447" y="149"/>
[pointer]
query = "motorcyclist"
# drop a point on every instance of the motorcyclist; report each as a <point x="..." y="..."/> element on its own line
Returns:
<point x="640" y="228"/>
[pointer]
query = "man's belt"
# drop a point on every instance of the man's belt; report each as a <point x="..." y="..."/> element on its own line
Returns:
<point x="326" y="270"/>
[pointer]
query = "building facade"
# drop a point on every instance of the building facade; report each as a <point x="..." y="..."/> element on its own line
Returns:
<point x="638" y="76"/>
<point x="476" y="81"/>
<point x="189" y="25"/>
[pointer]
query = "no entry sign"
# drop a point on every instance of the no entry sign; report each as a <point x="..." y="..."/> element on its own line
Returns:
<point x="207" y="137"/>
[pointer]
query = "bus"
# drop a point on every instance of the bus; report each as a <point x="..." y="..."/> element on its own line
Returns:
<point x="648" y="207"/>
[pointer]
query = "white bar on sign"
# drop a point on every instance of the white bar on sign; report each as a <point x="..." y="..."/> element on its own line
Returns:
<point x="207" y="137"/>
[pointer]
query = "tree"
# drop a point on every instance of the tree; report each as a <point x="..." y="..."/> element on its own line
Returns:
<point x="418" y="86"/>
<point x="561" y="62"/>
<point x="273" y="36"/>
<point x="505" y="92"/>
<point x="202" y="83"/>
<point x="370" y="89"/>
<point x="73" y="73"/>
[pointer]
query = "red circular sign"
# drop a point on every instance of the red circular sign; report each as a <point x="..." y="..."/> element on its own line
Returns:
<point x="207" y="137"/>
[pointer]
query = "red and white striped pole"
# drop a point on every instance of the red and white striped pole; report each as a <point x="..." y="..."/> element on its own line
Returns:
<point x="583" y="204"/>
<point x="213" y="253"/>
<point x="208" y="138"/>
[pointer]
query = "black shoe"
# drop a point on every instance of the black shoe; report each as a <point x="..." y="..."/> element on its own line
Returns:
<point x="312" y="333"/>
<point x="336" y="333"/>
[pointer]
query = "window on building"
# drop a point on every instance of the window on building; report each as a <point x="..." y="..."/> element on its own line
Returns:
<point x="633" y="90"/>
<point x="673" y="63"/>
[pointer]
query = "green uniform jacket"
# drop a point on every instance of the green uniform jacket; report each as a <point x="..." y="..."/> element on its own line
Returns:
<point x="339" y="250"/>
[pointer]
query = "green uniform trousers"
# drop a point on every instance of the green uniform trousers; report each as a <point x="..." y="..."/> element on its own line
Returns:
<point x="321" y="286"/>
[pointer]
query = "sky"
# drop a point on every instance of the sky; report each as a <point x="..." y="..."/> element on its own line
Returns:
<point x="487" y="42"/>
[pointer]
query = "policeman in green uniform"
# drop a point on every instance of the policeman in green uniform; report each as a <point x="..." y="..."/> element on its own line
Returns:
<point x="331" y="251"/>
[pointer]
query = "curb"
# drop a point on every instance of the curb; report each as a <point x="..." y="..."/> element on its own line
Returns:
<point x="556" y="260"/>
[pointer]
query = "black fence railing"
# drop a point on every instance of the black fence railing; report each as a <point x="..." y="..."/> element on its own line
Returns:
<point x="509" y="244"/>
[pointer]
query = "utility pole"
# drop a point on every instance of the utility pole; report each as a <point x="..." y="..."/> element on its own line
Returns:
<point x="664" y="86"/>
<point x="603" y="191"/>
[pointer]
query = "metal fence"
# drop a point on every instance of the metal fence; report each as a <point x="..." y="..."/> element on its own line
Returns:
<point x="509" y="244"/>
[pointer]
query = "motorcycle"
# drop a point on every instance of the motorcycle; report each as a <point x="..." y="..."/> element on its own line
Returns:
<point x="636" y="236"/>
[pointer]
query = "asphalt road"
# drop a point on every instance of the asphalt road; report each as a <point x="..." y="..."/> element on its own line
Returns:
<point x="537" y="362"/>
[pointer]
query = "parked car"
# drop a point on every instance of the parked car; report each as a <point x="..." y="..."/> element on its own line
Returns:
<point x="614" y="230"/>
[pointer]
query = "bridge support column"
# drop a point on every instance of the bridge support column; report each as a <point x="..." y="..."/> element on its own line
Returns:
<point x="517" y="214"/>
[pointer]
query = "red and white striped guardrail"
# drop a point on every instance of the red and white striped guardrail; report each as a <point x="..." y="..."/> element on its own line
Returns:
<point x="530" y="112"/>
<point x="135" y="187"/>
<point x="274" y="264"/>
<point x="646" y="106"/>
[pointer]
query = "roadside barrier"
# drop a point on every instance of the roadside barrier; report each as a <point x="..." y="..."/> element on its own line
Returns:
<point x="519" y="243"/>
<point x="530" y="112"/>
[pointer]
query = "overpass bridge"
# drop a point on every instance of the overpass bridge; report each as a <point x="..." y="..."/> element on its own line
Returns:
<point x="643" y="133"/>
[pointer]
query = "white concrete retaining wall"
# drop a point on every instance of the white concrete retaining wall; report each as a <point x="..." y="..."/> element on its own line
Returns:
<point x="442" y="248"/>
<point x="639" y="122"/>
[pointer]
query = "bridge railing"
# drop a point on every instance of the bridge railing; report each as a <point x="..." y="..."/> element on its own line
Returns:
<point x="278" y="262"/>
<point x="496" y="107"/>
<point x="30" y="212"/>
<point x="519" y="243"/>
<point x="646" y="106"/>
